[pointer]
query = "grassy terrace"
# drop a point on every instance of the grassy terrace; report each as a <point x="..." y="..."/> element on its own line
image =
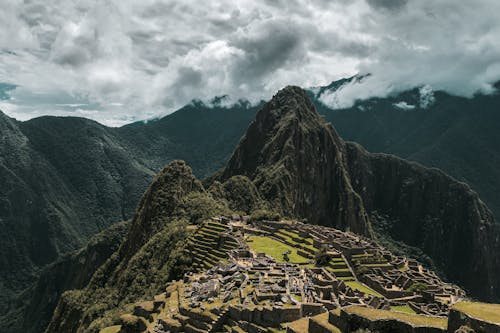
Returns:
<point x="403" y="308"/>
<point x="111" y="329"/>
<point x="362" y="287"/>
<point x="205" y="248"/>
<point x="291" y="238"/>
<point x="483" y="311"/>
<point x="301" y="325"/>
<point x="275" y="249"/>
<point x="322" y="319"/>
<point x="413" y="319"/>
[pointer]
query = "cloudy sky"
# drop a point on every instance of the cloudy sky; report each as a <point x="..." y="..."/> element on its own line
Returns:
<point x="118" y="61"/>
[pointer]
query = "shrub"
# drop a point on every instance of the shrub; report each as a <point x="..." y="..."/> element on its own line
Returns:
<point x="417" y="287"/>
<point x="264" y="215"/>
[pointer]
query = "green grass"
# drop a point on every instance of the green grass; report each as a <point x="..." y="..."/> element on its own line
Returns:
<point x="301" y="325"/>
<point x="403" y="308"/>
<point x="275" y="249"/>
<point x="483" y="311"/>
<point x="413" y="319"/>
<point x="288" y="236"/>
<point x="362" y="287"/>
<point x="363" y="255"/>
<point x="346" y="278"/>
<point x="111" y="329"/>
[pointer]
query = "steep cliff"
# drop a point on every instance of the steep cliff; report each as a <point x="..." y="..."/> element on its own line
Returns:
<point x="301" y="166"/>
<point x="428" y="209"/>
<point x="297" y="163"/>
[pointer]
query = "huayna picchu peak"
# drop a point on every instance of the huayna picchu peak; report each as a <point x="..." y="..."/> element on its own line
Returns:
<point x="297" y="162"/>
<point x="300" y="232"/>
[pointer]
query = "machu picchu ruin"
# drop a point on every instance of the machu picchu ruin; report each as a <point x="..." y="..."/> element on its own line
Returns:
<point x="288" y="276"/>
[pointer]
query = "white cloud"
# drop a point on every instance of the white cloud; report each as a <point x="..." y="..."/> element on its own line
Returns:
<point x="130" y="60"/>
<point x="404" y="106"/>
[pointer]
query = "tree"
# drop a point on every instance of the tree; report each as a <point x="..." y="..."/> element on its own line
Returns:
<point x="417" y="287"/>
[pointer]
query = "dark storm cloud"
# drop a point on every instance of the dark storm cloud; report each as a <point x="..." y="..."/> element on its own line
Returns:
<point x="266" y="50"/>
<point x="388" y="4"/>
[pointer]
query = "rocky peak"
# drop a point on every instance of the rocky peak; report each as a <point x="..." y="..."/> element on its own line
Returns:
<point x="296" y="161"/>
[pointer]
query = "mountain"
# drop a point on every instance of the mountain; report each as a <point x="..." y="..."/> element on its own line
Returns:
<point x="298" y="162"/>
<point x="204" y="136"/>
<point x="33" y="309"/>
<point x="439" y="213"/>
<point x="295" y="160"/>
<point x="65" y="179"/>
<point x="150" y="256"/>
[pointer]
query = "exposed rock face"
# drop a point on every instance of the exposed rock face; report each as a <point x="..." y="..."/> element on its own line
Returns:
<point x="300" y="165"/>
<point x="434" y="212"/>
<point x="296" y="161"/>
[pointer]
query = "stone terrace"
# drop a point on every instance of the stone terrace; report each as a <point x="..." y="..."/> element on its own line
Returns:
<point x="261" y="276"/>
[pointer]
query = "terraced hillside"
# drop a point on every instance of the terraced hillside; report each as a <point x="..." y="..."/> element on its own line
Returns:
<point x="209" y="245"/>
<point x="268" y="276"/>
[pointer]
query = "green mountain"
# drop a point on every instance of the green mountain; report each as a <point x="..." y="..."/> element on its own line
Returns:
<point x="65" y="179"/>
<point x="71" y="271"/>
<point x="438" y="211"/>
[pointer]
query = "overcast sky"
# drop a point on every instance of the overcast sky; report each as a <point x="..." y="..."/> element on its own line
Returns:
<point x="120" y="61"/>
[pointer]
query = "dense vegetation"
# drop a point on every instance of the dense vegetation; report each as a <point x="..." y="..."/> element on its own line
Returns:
<point x="152" y="254"/>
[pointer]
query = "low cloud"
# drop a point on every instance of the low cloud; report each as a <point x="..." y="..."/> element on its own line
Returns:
<point x="127" y="60"/>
